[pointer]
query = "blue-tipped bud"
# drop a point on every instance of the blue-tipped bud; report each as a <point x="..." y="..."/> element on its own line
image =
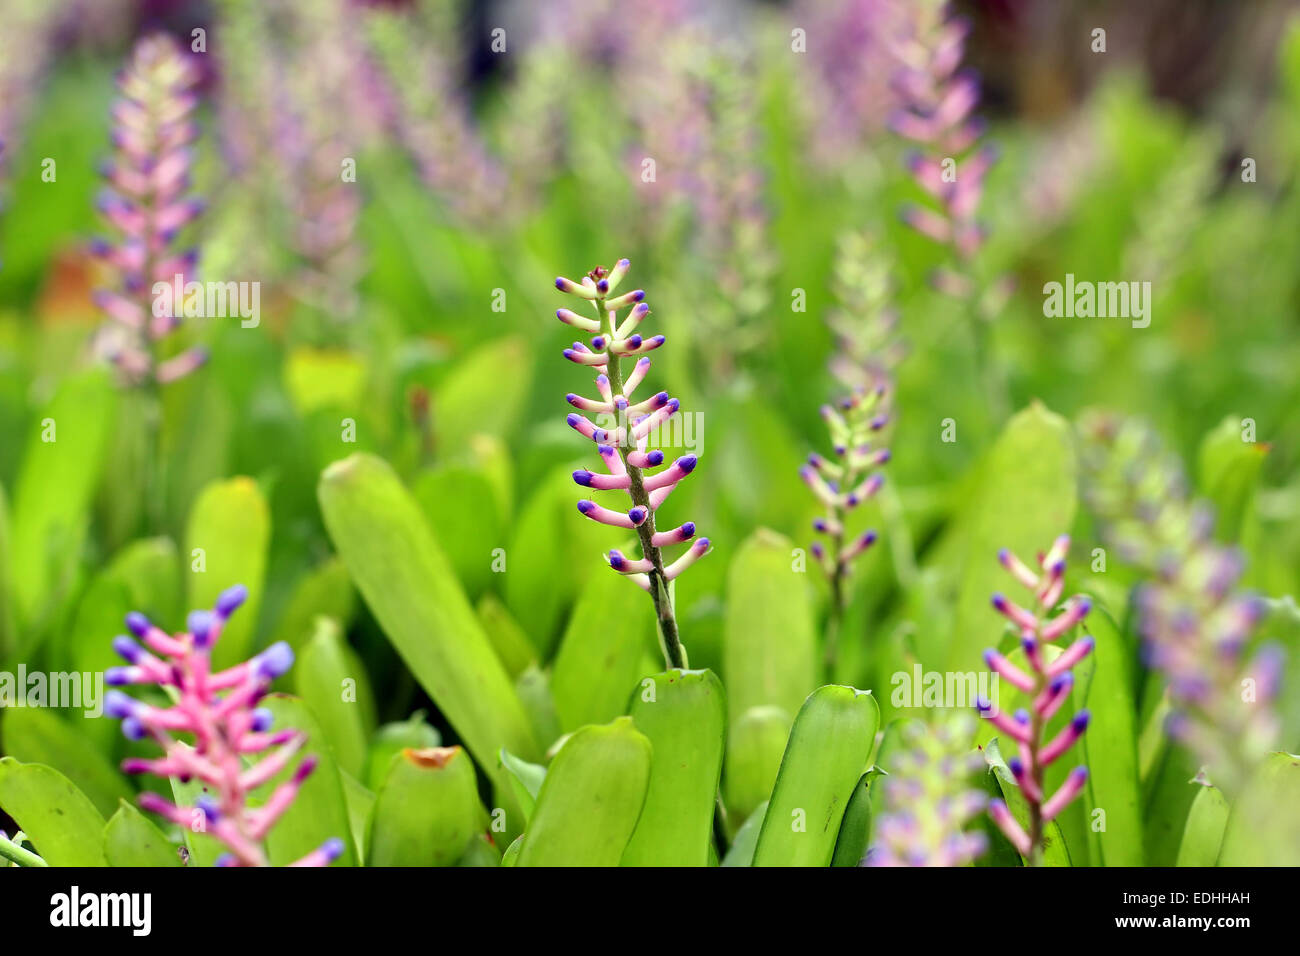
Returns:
<point x="1022" y="716"/>
<point x="1016" y="766"/>
<point x="127" y="649"/>
<point x="231" y="598"/>
<point x="584" y="505"/>
<point x="208" y="806"/>
<point x="1080" y="721"/>
<point x="687" y="463"/>
<point x="582" y="477"/>
<point x="118" y="704"/>
<point x="332" y="849"/>
<point x="137" y="623"/>
<point x="688" y="530"/>
<point x="132" y="729"/>
<point x="655" y="458"/>
<point x="117" y="676"/>
<point x="200" y="624"/>
<point x="275" y="661"/>
<point x="263" y="719"/>
<point x="637" y="514"/>
<point x="617" y="561"/>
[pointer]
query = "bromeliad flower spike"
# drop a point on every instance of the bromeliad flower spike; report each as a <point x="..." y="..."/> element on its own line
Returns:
<point x="624" y="446"/>
<point x="219" y="711"/>
<point x="146" y="203"/>
<point x="1048" y="684"/>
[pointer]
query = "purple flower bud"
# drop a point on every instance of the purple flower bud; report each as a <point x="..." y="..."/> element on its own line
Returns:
<point x="127" y="649"/>
<point x="275" y="661"/>
<point x="231" y="598"/>
<point x="137" y="623"/>
<point x="118" y="704"/>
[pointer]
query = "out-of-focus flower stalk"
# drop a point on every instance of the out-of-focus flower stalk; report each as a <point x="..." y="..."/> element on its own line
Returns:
<point x="1194" y="620"/>
<point x="1048" y="684"/>
<point x="24" y="51"/>
<point x="219" y="711"/>
<point x="624" y="445"/>
<point x="929" y="799"/>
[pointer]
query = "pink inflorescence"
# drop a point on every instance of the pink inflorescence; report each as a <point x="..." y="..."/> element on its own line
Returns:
<point x="623" y="428"/>
<point x="146" y="202"/>
<point x="1048" y="684"/>
<point x="219" y="711"/>
<point x="938" y="101"/>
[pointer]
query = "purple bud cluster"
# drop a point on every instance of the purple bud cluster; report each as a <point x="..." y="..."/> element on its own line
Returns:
<point x="1048" y="683"/>
<point x="146" y="202"/>
<point x="218" y="712"/>
<point x="928" y="799"/>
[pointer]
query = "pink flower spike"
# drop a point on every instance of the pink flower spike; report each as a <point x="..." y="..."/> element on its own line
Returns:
<point x="1075" y="611"/>
<point x="1073" y="654"/>
<point x="1072" y="787"/>
<point x="1002" y="721"/>
<point x="613" y="518"/>
<point x="1008" y="671"/>
<point x="613" y="463"/>
<point x="674" y="473"/>
<point x="645" y="459"/>
<point x="586" y="428"/>
<point x="1016" y="614"/>
<point x="859" y="545"/>
<point x="1065" y="739"/>
<point x="569" y="317"/>
<point x="629" y="324"/>
<point x="1054" y="695"/>
<point x="583" y="356"/>
<point x="1057" y="552"/>
<point x="1009" y="827"/>
<point x="575" y="288"/>
<point x="624" y="565"/>
<point x="326" y="854"/>
<point x="635" y="377"/>
<point x="589" y="404"/>
<point x="679" y="534"/>
<point x="589" y="479"/>
<point x="1019" y="570"/>
<point x="693" y="554"/>
<point x="628" y="298"/>
<point x="1019" y="770"/>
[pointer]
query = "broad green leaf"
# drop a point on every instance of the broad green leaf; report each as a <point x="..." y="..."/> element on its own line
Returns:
<point x="1055" y="852"/>
<point x="461" y="507"/>
<point x="8" y="623"/>
<point x="525" y="780"/>
<point x="590" y="801"/>
<point x="754" y="748"/>
<point x="1025" y="499"/>
<point x="741" y="851"/>
<point x="325" y="591"/>
<point x="59" y="820"/>
<point x="484" y="392"/>
<point x="323" y="378"/>
<point x="320" y="811"/>
<point x="830" y="744"/>
<point x="855" y="828"/>
<point x="231" y="524"/>
<point x="1264" y="826"/>
<point x="1228" y="474"/>
<point x="1167" y="795"/>
<point x="684" y="715"/>
<point x="406" y="580"/>
<point x="507" y="637"/>
<point x="61" y="467"/>
<point x="480" y="852"/>
<point x="600" y="655"/>
<point x="1203" y="834"/>
<point x="426" y="811"/>
<point x="130" y="839"/>
<point x="361" y="801"/>
<point x="1109" y="748"/>
<point x="332" y="681"/>
<point x="534" y="689"/>
<point x="390" y="739"/>
<point x="37" y="735"/>
<point x="769" y="651"/>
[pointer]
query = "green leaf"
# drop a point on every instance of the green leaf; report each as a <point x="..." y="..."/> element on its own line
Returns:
<point x="320" y="811"/>
<point x="390" y="739"/>
<point x="830" y="744"/>
<point x="231" y="523"/>
<point x="8" y="611"/>
<point x="461" y="507"/>
<point x="1055" y="852"/>
<point x="1203" y="834"/>
<point x="378" y="530"/>
<point x="1025" y="499"/>
<point x="1228" y="475"/>
<point x="600" y="656"/>
<point x="1264" y="826"/>
<point x="325" y="591"/>
<point x="426" y="811"/>
<point x="130" y="839"/>
<point x="477" y="397"/>
<point x="39" y="736"/>
<point x="754" y="749"/>
<point x="855" y="829"/>
<point x="323" y="379"/>
<point x="525" y="780"/>
<point x="361" y="801"/>
<point x="59" y="820"/>
<point x="481" y="852"/>
<point x="684" y="715"/>
<point x="507" y="637"/>
<point x="1109" y="748"/>
<point x="589" y="803"/>
<point x="769" y="654"/>
<point x="534" y="689"/>
<point x="741" y="852"/>
<point x="61" y="467"/>
<point x="332" y="681"/>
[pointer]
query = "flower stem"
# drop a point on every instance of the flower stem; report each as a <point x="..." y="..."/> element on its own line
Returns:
<point x="13" y="852"/>
<point x="660" y="593"/>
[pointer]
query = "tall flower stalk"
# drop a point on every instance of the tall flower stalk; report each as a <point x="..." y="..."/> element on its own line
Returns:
<point x="219" y="711"/>
<point x="929" y="799"/>
<point x="624" y="445"/>
<point x="148" y="178"/>
<point x="1194" y="619"/>
<point x="1047" y="683"/>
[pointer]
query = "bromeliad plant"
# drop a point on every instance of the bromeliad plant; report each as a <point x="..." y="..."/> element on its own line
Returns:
<point x="1048" y="683"/>
<point x="624" y="446"/>
<point x="219" y="712"/>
